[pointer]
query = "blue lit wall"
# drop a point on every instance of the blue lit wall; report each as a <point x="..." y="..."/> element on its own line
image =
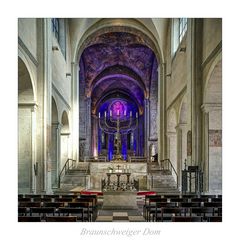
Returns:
<point x="122" y="108"/>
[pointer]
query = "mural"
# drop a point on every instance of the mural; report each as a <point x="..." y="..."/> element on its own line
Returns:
<point x="215" y="138"/>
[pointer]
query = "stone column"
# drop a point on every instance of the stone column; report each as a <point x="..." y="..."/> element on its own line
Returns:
<point x="75" y="110"/>
<point x="34" y="156"/>
<point x="44" y="96"/>
<point x="207" y="109"/>
<point x="181" y="151"/>
<point x="172" y="148"/>
<point x="162" y="121"/>
<point x="194" y="86"/>
<point x="56" y="153"/>
<point x="88" y="127"/>
<point x="94" y="135"/>
<point x="146" y="126"/>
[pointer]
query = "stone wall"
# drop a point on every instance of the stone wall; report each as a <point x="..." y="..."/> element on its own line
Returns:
<point x="27" y="32"/>
<point x="24" y="149"/>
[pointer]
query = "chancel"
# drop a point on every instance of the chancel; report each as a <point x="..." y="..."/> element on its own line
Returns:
<point x="120" y="119"/>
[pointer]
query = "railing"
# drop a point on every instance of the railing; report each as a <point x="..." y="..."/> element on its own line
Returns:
<point x="95" y="159"/>
<point x="166" y="164"/>
<point x="65" y="168"/>
<point x="136" y="159"/>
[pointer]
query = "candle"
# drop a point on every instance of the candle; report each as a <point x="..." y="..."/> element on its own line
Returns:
<point x="130" y="113"/>
<point x="105" y="113"/>
<point x="136" y="115"/>
<point x="118" y="112"/>
<point x="125" y="112"/>
<point x="99" y="115"/>
<point x="110" y="113"/>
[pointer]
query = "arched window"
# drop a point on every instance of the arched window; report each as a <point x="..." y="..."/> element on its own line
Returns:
<point x="55" y="27"/>
<point x="179" y="28"/>
<point x="59" y="30"/>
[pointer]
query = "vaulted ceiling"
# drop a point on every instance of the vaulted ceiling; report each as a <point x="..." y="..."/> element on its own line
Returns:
<point x="117" y="61"/>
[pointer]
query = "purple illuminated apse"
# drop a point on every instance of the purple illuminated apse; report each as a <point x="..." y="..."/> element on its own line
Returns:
<point x="118" y="108"/>
<point x="116" y="69"/>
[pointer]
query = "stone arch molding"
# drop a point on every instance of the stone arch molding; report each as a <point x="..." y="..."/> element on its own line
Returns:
<point x="216" y="63"/>
<point x="55" y="111"/>
<point x="22" y="58"/>
<point x="127" y="25"/>
<point x="65" y="123"/>
<point x="172" y="120"/>
<point x="182" y="113"/>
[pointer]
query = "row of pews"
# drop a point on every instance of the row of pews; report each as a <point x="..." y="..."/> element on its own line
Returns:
<point x="57" y="208"/>
<point x="183" y="208"/>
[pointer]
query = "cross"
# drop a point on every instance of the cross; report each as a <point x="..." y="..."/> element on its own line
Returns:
<point x="118" y="166"/>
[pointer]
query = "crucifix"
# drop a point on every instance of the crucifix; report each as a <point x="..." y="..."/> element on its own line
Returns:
<point x="118" y="166"/>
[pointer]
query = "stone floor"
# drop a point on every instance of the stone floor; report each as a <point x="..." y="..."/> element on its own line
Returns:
<point x="121" y="213"/>
<point x="120" y="216"/>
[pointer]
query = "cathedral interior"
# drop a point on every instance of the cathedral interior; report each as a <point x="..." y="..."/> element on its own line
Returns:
<point x="120" y="119"/>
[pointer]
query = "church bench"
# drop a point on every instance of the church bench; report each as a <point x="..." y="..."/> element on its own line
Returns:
<point x="214" y="219"/>
<point x="29" y="204"/>
<point x="42" y="211"/>
<point x="178" y="200"/>
<point x="149" y="206"/>
<point x="87" y="209"/>
<point x="186" y="206"/>
<point x="22" y="211"/>
<point x="61" y="219"/>
<point x="29" y="219"/>
<point x="158" y="209"/>
<point x="63" y="199"/>
<point x="186" y="219"/>
<point x="67" y="211"/>
<point x="202" y="211"/>
<point x="53" y="204"/>
<point x="42" y="199"/>
<point x="219" y="200"/>
<point x="199" y="199"/>
<point x="167" y="213"/>
<point x="213" y="204"/>
<point x="27" y="199"/>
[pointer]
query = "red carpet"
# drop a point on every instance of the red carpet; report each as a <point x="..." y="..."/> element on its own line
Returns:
<point x="92" y="193"/>
<point x="146" y="193"/>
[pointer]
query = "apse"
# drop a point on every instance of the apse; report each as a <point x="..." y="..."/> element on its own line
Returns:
<point x="109" y="112"/>
<point x="117" y="71"/>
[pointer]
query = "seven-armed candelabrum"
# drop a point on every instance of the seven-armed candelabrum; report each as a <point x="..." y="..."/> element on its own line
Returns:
<point x="119" y="125"/>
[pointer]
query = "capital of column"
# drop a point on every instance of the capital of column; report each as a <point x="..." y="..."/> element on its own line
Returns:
<point x="210" y="107"/>
<point x="57" y="125"/>
<point x="181" y="126"/>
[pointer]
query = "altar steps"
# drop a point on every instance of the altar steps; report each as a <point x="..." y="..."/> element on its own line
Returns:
<point x="76" y="176"/>
<point x="162" y="180"/>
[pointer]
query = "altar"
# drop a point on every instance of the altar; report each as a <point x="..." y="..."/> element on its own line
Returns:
<point x="117" y="172"/>
<point x="120" y="200"/>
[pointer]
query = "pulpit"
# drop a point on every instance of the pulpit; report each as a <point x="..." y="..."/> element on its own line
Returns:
<point x="192" y="180"/>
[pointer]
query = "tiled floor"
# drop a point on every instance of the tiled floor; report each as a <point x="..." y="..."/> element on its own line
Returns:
<point x="119" y="216"/>
<point x="121" y="213"/>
